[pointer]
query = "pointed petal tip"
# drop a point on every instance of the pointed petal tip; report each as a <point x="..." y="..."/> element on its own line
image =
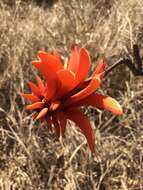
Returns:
<point x="119" y="111"/>
<point x="83" y="66"/>
<point x="35" y="89"/>
<point x="84" y="51"/>
<point x="110" y="104"/>
<point x="115" y="106"/>
<point x="41" y="54"/>
<point x="102" y="102"/>
<point x="84" y="124"/>
<point x="36" y="63"/>
<point x="74" y="46"/>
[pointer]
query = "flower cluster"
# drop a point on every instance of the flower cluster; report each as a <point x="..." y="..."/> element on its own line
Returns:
<point x="66" y="89"/>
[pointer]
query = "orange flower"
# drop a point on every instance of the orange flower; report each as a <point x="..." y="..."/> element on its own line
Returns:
<point x="67" y="89"/>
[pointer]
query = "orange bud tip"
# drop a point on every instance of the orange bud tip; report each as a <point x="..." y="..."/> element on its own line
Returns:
<point x="120" y="112"/>
<point x="117" y="109"/>
<point x="42" y="113"/>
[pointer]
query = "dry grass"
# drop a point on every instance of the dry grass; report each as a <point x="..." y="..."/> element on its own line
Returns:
<point x="33" y="159"/>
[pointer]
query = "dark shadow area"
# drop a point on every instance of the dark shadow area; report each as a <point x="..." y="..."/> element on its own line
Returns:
<point x="45" y="3"/>
<point x="41" y="3"/>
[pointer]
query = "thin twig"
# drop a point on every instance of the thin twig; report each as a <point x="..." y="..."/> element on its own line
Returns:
<point x="120" y="62"/>
<point x="136" y="68"/>
<point x="137" y="58"/>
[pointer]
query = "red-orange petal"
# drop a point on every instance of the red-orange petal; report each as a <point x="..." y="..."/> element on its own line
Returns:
<point x="35" y="89"/>
<point x="92" y="87"/>
<point x="46" y="70"/>
<point x="100" y="70"/>
<point x="83" y="123"/>
<point x="40" y="83"/>
<point x="35" y="105"/>
<point x="74" y="60"/>
<point x="30" y="97"/>
<point x="83" y="67"/>
<point x="50" y="60"/>
<point x="51" y="78"/>
<point x="50" y="90"/>
<point x="67" y="82"/>
<point x="103" y="102"/>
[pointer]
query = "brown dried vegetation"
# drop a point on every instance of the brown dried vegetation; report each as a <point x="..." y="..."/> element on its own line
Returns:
<point x="30" y="157"/>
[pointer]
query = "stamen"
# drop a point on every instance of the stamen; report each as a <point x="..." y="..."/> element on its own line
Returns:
<point x="44" y="100"/>
<point x="55" y="105"/>
<point x="66" y="63"/>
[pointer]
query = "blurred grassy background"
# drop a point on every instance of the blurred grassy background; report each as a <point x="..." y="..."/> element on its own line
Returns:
<point x="32" y="158"/>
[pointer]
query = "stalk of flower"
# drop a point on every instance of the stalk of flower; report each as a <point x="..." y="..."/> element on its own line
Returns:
<point x="66" y="90"/>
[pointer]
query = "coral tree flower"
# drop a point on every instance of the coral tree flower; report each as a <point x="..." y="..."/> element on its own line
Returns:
<point x="66" y="89"/>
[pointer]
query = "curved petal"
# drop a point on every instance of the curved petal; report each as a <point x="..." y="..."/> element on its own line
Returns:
<point x="51" y="60"/>
<point x="50" y="90"/>
<point x="35" y="105"/>
<point x="101" y="101"/>
<point x="62" y="118"/>
<point x="51" y="78"/>
<point x="74" y="60"/>
<point x="83" y="67"/>
<point x="83" y="123"/>
<point x="35" y="89"/>
<point x="92" y="87"/>
<point x="40" y="84"/>
<point x="100" y="70"/>
<point x="30" y="97"/>
<point x="46" y="70"/>
<point x="67" y="81"/>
